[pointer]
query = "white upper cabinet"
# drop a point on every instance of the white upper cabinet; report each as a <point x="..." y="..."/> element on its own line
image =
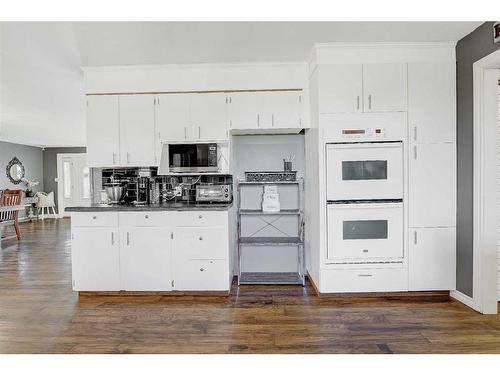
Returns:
<point x="432" y="185"/>
<point x="282" y="109"/>
<point x="137" y="135"/>
<point x="172" y="117"/>
<point x="431" y="102"/>
<point x="209" y="116"/>
<point x="432" y="259"/>
<point x="244" y="110"/>
<point x="341" y="88"/>
<point x="384" y="87"/>
<point x="103" y="131"/>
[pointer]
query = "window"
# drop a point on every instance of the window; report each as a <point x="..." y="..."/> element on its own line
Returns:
<point x="365" y="229"/>
<point x="67" y="179"/>
<point x="364" y="170"/>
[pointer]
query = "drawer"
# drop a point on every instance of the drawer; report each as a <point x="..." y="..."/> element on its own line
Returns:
<point x="201" y="218"/>
<point x="209" y="275"/>
<point x="146" y="219"/>
<point x="201" y="242"/>
<point x="364" y="280"/>
<point x="94" y="219"/>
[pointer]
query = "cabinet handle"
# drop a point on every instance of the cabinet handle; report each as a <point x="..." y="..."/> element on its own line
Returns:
<point x="369" y="101"/>
<point x="112" y="238"/>
<point x="258" y="120"/>
<point x="146" y="216"/>
<point x="202" y="269"/>
<point x="415" y="152"/>
<point x="199" y="132"/>
<point x="357" y="102"/>
<point x="231" y="123"/>
<point x="415" y="237"/>
<point x="185" y="132"/>
<point x="272" y="119"/>
<point x="365" y="275"/>
<point x="94" y="217"/>
<point x="230" y="99"/>
<point x="414" y="133"/>
<point x="201" y="238"/>
<point x="200" y="217"/>
<point x="114" y="158"/>
<point x="365" y="250"/>
<point x="128" y="238"/>
<point x="128" y="157"/>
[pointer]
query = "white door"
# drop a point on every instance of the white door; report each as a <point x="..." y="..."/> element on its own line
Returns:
<point x="384" y="87"/>
<point x="431" y="102"/>
<point x="209" y="116"/>
<point x="73" y="182"/>
<point x="432" y="185"/>
<point x="365" y="231"/>
<point x="432" y="259"/>
<point x="341" y="88"/>
<point x="281" y="109"/>
<point x="173" y="117"/>
<point x="145" y="263"/>
<point x="137" y="130"/>
<point x="245" y="110"/>
<point x="95" y="259"/>
<point x="103" y="134"/>
<point x="364" y="171"/>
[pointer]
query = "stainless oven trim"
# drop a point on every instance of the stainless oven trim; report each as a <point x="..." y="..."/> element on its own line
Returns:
<point x="190" y="169"/>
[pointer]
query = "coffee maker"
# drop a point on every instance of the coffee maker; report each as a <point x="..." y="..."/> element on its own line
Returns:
<point x="143" y="186"/>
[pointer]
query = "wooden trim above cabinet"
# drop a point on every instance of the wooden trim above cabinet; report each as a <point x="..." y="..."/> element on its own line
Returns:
<point x="190" y="92"/>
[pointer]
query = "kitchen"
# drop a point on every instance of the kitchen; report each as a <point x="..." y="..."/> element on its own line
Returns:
<point x="375" y="196"/>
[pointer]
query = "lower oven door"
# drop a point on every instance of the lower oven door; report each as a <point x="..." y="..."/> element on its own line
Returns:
<point x="365" y="231"/>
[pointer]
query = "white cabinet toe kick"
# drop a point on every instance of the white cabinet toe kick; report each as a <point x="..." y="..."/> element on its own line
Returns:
<point x="151" y="252"/>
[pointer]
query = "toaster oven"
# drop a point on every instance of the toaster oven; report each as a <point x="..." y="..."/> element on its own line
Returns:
<point x="214" y="193"/>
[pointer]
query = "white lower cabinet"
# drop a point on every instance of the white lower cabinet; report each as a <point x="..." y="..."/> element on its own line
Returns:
<point x="367" y="279"/>
<point x="432" y="259"/>
<point x="143" y="251"/>
<point x="145" y="259"/>
<point x="95" y="255"/>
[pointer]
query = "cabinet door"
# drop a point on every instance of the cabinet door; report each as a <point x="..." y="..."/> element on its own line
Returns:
<point x="384" y="87"/>
<point x="145" y="259"/>
<point x="103" y="134"/>
<point x="244" y="110"/>
<point x="137" y="134"/>
<point x="172" y="117"/>
<point x="281" y="109"/>
<point x="340" y="88"/>
<point x="95" y="259"/>
<point x="431" y="102"/>
<point x="209" y="116"/>
<point x="432" y="185"/>
<point x="432" y="259"/>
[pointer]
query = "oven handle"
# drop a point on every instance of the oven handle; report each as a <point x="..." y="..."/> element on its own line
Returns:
<point x="355" y="206"/>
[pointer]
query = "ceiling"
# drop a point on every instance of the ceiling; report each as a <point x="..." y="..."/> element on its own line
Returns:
<point x="42" y="91"/>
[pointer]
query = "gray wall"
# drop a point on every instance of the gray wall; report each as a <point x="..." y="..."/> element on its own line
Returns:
<point x="50" y="166"/>
<point x="471" y="48"/>
<point x="30" y="156"/>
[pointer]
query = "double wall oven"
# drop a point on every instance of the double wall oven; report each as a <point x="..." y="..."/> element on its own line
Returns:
<point x="365" y="183"/>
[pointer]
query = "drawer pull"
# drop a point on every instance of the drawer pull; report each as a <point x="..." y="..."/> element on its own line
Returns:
<point x="200" y="217"/>
<point x="146" y="216"/>
<point x="202" y="269"/>
<point x="94" y="217"/>
<point x="365" y="275"/>
<point x="201" y="238"/>
<point x="365" y="250"/>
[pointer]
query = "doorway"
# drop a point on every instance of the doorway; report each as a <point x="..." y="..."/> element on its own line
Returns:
<point x="486" y="184"/>
<point x="73" y="182"/>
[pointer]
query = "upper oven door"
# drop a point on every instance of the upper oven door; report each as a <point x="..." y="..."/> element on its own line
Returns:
<point x="364" y="231"/>
<point x="364" y="171"/>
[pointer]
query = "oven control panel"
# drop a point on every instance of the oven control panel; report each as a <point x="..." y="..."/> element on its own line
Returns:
<point x="364" y="133"/>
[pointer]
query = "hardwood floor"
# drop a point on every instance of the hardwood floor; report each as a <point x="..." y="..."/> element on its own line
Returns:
<point x="39" y="313"/>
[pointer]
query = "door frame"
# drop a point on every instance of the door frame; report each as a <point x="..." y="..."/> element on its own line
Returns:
<point x="60" y="187"/>
<point x="485" y="205"/>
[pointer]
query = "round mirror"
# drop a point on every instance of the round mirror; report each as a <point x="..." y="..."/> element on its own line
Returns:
<point x="15" y="171"/>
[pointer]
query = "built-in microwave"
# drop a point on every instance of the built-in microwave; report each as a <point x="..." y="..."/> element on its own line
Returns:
<point x="200" y="157"/>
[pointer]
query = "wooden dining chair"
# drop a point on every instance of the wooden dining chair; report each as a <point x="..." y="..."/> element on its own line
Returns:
<point x="10" y="217"/>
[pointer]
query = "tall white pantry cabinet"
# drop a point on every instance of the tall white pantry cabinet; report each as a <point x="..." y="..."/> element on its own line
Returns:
<point x="417" y="81"/>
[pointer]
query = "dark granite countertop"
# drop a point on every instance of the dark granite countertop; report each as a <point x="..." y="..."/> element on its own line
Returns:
<point x="174" y="206"/>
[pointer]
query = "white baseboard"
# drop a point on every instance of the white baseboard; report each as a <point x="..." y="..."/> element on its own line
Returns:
<point x="459" y="296"/>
